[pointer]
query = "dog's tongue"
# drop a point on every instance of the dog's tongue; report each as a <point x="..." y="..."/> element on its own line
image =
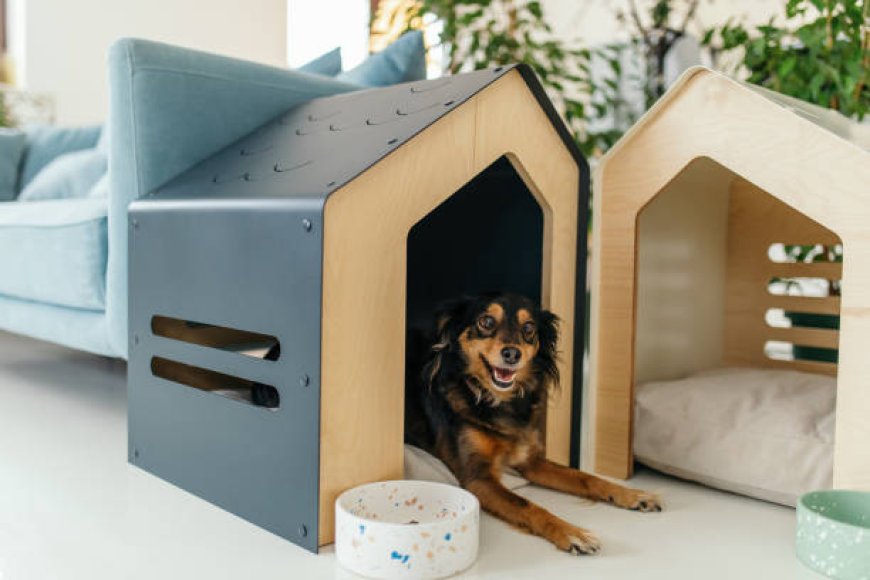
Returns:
<point x="504" y="375"/>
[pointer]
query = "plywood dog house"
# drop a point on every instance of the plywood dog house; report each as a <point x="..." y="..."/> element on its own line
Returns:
<point x="687" y="207"/>
<point x="314" y="240"/>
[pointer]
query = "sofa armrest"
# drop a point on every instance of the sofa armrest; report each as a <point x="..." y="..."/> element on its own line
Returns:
<point x="171" y="108"/>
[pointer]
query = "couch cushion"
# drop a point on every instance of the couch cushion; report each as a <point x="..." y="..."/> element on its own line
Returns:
<point x="401" y="62"/>
<point x="44" y="144"/>
<point x="56" y="251"/>
<point x="12" y="143"/>
<point x="327" y="64"/>
<point x="198" y="103"/>
<point x="69" y="176"/>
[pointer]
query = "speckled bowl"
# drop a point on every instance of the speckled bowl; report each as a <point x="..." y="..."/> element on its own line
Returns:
<point x="406" y="529"/>
<point x="833" y="533"/>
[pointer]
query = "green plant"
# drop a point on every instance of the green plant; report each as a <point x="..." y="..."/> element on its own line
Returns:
<point x="5" y="117"/>
<point x="485" y="33"/>
<point x="820" y="53"/>
<point x="656" y="37"/>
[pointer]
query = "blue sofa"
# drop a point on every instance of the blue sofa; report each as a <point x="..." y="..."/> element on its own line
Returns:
<point x="64" y="269"/>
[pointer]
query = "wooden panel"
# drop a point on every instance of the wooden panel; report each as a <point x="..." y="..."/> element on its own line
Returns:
<point x="806" y="167"/>
<point x="827" y="270"/>
<point x="755" y="221"/>
<point x="364" y="279"/>
<point x="815" y="305"/>
<point x="818" y="337"/>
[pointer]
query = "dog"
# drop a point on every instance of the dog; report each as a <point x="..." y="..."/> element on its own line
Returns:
<point x="479" y="405"/>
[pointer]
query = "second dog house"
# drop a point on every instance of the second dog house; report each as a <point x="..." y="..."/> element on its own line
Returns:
<point x="300" y="258"/>
<point x="687" y="207"/>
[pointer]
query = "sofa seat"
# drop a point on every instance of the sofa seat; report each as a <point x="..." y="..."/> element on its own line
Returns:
<point x="55" y="251"/>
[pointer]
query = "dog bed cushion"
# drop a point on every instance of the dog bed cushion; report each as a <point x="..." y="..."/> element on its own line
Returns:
<point x="766" y="434"/>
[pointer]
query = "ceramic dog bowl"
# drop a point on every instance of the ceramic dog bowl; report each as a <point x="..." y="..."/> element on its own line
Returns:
<point x="406" y="529"/>
<point x="833" y="533"/>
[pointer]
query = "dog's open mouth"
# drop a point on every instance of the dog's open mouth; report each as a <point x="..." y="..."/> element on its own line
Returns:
<point x="503" y="378"/>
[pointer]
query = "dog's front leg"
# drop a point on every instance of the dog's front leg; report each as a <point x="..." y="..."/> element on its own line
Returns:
<point x="527" y="516"/>
<point x="545" y="473"/>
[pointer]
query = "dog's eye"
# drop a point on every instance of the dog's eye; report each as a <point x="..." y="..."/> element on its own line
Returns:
<point x="486" y="322"/>
<point x="529" y="331"/>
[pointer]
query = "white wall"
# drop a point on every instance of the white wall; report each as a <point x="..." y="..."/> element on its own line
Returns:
<point x="65" y="42"/>
<point x="594" y="21"/>
<point x="318" y="26"/>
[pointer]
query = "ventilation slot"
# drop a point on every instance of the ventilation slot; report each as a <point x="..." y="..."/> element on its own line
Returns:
<point x="804" y="285"/>
<point x="252" y="344"/>
<point x="216" y="383"/>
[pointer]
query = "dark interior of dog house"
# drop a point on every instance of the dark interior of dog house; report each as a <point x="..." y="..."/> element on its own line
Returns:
<point x="488" y="236"/>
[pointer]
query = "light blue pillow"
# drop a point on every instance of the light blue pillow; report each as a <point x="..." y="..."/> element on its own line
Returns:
<point x="327" y="64"/>
<point x="45" y="143"/>
<point x="70" y="175"/>
<point x="12" y="143"/>
<point x="103" y="141"/>
<point x="401" y="62"/>
<point x="101" y="188"/>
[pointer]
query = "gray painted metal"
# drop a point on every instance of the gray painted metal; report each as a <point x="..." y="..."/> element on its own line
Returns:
<point x="237" y="242"/>
<point x="250" y="265"/>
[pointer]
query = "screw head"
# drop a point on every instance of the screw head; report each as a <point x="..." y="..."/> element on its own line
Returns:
<point x="304" y="381"/>
<point x="303" y="530"/>
<point x="307" y="225"/>
<point x="135" y="224"/>
<point x="136" y="453"/>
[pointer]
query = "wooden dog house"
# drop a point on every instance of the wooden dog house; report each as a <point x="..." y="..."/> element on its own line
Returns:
<point x="321" y="234"/>
<point x="686" y="208"/>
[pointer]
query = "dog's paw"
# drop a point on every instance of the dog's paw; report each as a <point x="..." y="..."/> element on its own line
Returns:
<point x="642" y="501"/>
<point x="583" y="545"/>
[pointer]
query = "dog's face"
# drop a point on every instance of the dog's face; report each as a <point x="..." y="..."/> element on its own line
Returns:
<point x="506" y="343"/>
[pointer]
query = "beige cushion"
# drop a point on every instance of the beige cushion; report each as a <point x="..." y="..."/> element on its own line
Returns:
<point x="763" y="433"/>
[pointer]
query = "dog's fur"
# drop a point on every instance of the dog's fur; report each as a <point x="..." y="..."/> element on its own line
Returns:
<point x="480" y="405"/>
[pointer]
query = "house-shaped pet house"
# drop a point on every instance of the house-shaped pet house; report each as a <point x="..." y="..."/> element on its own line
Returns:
<point x="300" y="259"/>
<point x="686" y="208"/>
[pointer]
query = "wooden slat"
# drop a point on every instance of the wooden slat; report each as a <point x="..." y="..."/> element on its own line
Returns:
<point x="817" y="337"/>
<point x="817" y="367"/>
<point x="812" y="305"/>
<point x="826" y="270"/>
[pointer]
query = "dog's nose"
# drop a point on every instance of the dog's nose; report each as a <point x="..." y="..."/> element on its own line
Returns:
<point x="511" y="355"/>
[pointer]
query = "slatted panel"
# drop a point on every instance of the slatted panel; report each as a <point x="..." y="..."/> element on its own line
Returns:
<point x="757" y="220"/>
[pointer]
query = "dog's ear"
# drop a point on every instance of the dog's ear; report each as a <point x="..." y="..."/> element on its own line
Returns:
<point x="448" y="321"/>
<point x="548" y="337"/>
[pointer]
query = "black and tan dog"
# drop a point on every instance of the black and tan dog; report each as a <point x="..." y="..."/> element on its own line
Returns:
<point x="479" y="406"/>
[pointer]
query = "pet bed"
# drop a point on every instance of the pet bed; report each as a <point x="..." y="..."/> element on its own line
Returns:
<point x="767" y="434"/>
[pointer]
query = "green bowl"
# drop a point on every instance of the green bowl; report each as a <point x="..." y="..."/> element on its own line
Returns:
<point x="833" y="533"/>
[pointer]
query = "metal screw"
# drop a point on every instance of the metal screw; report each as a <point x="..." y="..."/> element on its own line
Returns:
<point x="304" y="381"/>
<point x="135" y="224"/>
<point x="306" y="223"/>
<point x="303" y="531"/>
<point x="136" y="453"/>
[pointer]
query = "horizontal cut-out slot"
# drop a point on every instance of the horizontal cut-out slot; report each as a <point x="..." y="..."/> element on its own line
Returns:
<point x="779" y="350"/>
<point x="813" y="287"/>
<point x="782" y="253"/>
<point x="252" y="344"/>
<point x="228" y="386"/>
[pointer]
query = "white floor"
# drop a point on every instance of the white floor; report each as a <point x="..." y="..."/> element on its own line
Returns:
<point x="71" y="507"/>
